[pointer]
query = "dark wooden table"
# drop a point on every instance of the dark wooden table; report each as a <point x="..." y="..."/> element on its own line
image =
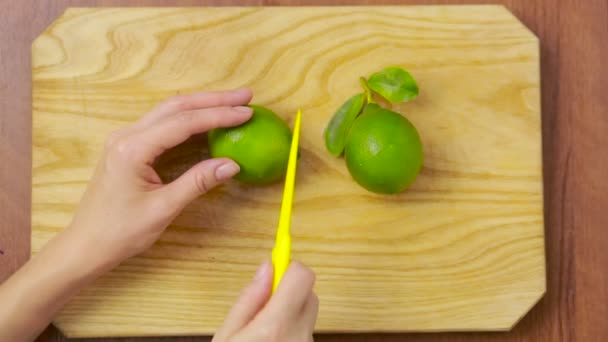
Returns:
<point x="574" y="43"/>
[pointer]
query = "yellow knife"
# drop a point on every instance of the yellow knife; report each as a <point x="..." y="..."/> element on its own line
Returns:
<point x="281" y="253"/>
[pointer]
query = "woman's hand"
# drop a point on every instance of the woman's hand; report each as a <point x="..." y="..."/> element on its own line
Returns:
<point x="289" y="315"/>
<point x="124" y="209"/>
<point x="126" y="206"/>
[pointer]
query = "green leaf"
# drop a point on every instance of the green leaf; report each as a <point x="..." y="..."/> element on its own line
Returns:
<point x="340" y="123"/>
<point x="394" y="84"/>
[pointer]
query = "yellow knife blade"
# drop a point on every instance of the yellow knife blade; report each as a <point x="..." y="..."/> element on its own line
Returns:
<point x="281" y="253"/>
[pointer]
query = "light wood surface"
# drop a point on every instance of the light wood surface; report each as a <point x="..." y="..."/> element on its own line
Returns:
<point x="462" y="250"/>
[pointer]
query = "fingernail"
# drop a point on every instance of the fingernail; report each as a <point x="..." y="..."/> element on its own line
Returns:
<point x="262" y="271"/>
<point x="227" y="170"/>
<point x="243" y="109"/>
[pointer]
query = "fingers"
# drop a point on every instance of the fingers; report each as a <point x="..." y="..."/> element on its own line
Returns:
<point x="289" y="315"/>
<point x="183" y="103"/>
<point x="200" y="100"/>
<point x="201" y="178"/>
<point x="252" y="300"/>
<point x="293" y="291"/>
<point x="175" y="129"/>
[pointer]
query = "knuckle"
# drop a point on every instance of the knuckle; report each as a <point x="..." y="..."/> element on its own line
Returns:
<point x="185" y="117"/>
<point x="314" y="300"/>
<point x="177" y="102"/>
<point x="223" y="97"/>
<point x="112" y="138"/>
<point x="304" y="274"/>
<point x="271" y="332"/>
<point x="202" y="182"/>
<point x="216" y="98"/>
<point x="221" y="116"/>
<point x="122" y="149"/>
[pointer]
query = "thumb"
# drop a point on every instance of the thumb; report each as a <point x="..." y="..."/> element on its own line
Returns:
<point x="201" y="178"/>
<point x="251" y="301"/>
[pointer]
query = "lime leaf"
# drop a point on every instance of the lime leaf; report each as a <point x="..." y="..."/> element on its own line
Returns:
<point x="394" y="84"/>
<point x="339" y="125"/>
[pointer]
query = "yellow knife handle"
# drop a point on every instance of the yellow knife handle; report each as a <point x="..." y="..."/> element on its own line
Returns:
<point x="280" y="259"/>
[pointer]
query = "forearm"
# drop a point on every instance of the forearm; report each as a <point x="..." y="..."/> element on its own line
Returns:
<point x="33" y="296"/>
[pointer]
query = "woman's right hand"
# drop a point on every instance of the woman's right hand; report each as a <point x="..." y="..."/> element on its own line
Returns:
<point x="289" y="315"/>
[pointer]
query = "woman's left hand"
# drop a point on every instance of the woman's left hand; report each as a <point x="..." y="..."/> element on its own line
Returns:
<point x="126" y="206"/>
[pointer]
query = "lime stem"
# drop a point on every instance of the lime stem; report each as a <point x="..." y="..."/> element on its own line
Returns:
<point x="368" y="92"/>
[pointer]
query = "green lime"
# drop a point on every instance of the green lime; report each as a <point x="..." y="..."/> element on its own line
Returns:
<point x="383" y="151"/>
<point x="260" y="146"/>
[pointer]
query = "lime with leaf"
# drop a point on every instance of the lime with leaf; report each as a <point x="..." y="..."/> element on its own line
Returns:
<point x="383" y="149"/>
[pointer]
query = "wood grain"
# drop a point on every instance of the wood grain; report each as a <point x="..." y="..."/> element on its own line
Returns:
<point x="462" y="250"/>
<point x="573" y="122"/>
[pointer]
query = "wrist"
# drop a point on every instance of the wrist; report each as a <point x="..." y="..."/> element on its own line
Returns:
<point x="82" y="257"/>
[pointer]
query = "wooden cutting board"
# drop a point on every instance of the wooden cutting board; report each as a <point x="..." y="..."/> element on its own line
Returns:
<point x="461" y="250"/>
